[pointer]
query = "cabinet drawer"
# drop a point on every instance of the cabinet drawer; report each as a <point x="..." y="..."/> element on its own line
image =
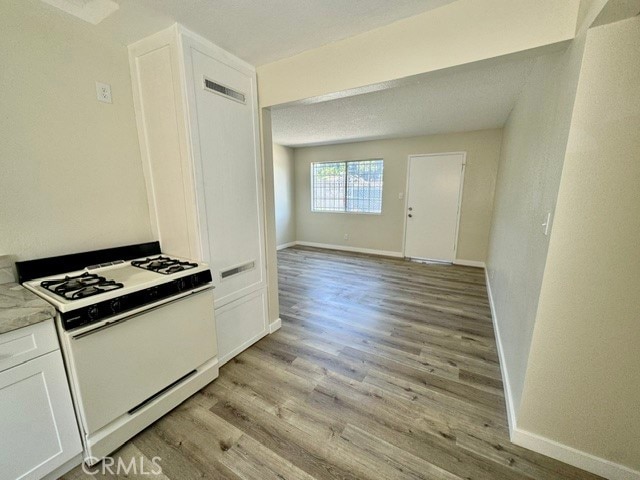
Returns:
<point x="19" y="346"/>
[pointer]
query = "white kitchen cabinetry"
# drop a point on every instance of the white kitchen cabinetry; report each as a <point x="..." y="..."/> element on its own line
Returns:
<point x="39" y="431"/>
<point x="197" y="115"/>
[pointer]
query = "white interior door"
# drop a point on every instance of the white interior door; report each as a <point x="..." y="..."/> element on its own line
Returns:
<point x="433" y="202"/>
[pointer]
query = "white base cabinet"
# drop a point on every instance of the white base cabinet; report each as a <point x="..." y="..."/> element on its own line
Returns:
<point x="240" y="324"/>
<point x="39" y="432"/>
<point x="197" y="116"/>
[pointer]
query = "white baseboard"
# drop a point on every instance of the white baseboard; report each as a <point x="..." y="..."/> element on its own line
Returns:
<point x="370" y="251"/>
<point x="572" y="456"/>
<point x="469" y="263"/>
<point x="345" y="248"/>
<point x="286" y="245"/>
<point x="275" y="325"/>
<point x="547" y="446"/>
<point x="511" y="410"/>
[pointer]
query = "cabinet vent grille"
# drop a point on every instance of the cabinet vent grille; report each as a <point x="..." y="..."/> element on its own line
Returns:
<point x="235" y="270"/>
<point x="224" y="91"/>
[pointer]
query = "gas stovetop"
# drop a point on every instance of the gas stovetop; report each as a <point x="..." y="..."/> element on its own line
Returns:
<point x="73" y="290"/>
<point x="80" y="286"/>
<point x="164" y="265"/>
<point x="108" y="288"/>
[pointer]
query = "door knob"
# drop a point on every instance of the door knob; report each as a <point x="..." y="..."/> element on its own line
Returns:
<point x="410" y="216"/>
<point x="410" y="209"/>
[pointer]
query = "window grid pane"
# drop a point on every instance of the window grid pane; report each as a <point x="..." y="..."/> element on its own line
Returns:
<point x="328" y="187"/>
<point x="364" y="186"/>
<point x="354" y="187"/>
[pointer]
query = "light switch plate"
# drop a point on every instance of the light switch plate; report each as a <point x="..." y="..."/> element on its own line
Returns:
<point x="547" y="224"/>
<point x="103" y="91"/>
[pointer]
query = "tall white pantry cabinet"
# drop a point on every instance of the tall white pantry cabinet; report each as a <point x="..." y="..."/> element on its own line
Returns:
<point x="197" y="116"/>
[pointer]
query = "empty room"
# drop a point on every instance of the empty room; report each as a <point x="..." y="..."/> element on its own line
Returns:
<point x="320" y="239"/>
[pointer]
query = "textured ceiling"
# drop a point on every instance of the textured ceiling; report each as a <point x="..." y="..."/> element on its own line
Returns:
<point x="261" y="31"/>
<point x="616" y="10"/>
<point x="92" y="11"/>
<point x="463" y="99"/>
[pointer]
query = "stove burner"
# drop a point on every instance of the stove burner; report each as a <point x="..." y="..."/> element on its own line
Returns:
<point x="164" y="265"/>
<point x="80" y="286"/>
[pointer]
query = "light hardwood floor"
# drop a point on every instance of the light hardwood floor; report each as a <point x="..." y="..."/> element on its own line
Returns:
<point x="383" y="369"/>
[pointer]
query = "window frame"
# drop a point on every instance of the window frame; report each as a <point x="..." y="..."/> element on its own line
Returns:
<point x="346" y="183"/>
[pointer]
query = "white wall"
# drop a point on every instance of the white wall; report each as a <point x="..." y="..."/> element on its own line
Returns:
<point x="458" y="33"/>
<point x="284" y="192"/>
<point x="71" y="177"/>
<point x="533" y="149"/>
<point x="582" y="386"/>
<point x="270" y="217"/>
<point x="385" y="232"/>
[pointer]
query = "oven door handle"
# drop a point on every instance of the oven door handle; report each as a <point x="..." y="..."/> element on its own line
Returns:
<point x="119" y="321"/>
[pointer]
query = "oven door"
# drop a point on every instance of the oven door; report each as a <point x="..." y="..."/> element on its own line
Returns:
<point x="117" y="368"/>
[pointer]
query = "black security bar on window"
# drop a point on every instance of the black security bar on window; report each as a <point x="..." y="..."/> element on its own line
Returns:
<point x="348" y="187"/>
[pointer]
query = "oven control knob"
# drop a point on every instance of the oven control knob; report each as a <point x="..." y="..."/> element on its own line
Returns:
<point x="116" y="305"/>
<point x="92" y="312"/>
<point x="152" y="293"/>
<point x="180" y="284"/>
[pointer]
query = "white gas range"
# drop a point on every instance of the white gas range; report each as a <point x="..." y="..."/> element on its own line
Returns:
<point x="137" y="332"/>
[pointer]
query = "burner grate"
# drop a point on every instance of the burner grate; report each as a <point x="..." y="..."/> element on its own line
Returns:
<point x="164" y="265"/>
<point x="80" y="286"/>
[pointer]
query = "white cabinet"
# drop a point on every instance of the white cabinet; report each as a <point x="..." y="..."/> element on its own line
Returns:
<point x="241" y="323"/>
<point x="197" y="115"/>
<point x="39" y="430"/>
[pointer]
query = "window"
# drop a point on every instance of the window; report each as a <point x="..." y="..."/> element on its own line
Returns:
<point x="352" y="187"/>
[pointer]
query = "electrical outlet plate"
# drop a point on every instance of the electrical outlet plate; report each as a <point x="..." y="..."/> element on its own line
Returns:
<point x="103" y="92"/>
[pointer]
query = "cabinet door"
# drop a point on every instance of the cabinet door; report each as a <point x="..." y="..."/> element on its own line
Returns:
<point x="240" y="324"/>
<point x="39" y="429"/>
<point x="228" y="170"/>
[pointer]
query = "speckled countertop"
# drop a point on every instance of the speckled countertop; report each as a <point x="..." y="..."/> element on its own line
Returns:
<point x="21" y="308"/>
